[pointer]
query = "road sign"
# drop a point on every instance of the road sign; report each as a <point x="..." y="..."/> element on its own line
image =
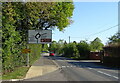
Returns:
<point x="40" y="36"/>
<point x="26" y="50"/>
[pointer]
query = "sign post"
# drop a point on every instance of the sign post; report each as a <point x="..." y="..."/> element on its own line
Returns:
<point x="28" y="57"/>
<point x="38" y="37"/>
<point x="27" y="51"/>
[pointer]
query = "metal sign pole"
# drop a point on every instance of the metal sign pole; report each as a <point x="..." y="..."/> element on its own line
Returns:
<point x="28" y="58"/>
<point x="37" y="41"/>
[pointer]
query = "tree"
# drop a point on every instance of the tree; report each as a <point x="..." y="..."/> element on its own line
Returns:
<point x="41" y="15"/>
<point x="53" y="47"/>
<point x="96" y="44"/>
<point x="114" y="39"/>
<point x="48" y="15"/>
<point x="84" y="49"/>
<point x="70" y="50"/>
<point x="57" y="46"/>
<point x="10" y="38"/>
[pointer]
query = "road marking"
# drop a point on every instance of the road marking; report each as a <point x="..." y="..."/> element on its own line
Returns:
<point x="63" y="66"/>
<point x="107" y="74"/>
<point x="68" y="66"/>
<point x="100" y="71"/>
<point x="115" y="77"/>
<point x="90" y="68"/>
<point x="71" y="66"/>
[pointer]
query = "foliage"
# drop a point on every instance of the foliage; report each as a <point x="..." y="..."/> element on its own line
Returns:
<point x="53" y="47"/>
<point x="10" y="38"/>
<point x="96" y="45"/>
<point x="70" y="50"/>
<point x="36" y="50"/>
<point x="60" y="44"/>
<point x="48" y="15"/>
<point x="19" y="17"/>
<point x="45" y="48"/>
<point x="61" y="47"/>
<point x="112" y="55"/>
<point x="114" y="39"/>
<point x="84" y="49"/>
<point x="112" y="61"/>
<point x="75" y="50"/>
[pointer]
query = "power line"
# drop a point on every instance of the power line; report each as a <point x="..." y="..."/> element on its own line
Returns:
<point x="104" y="30"/>
<point x="99" y="31"/>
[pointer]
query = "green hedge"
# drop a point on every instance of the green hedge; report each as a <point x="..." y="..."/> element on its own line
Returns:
<point x="112" y="61"/>
<point x="36" y="50"/>
<point x="20" y="59"/>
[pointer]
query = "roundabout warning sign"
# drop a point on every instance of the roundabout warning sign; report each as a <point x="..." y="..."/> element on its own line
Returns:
<point x="40" y="36"/>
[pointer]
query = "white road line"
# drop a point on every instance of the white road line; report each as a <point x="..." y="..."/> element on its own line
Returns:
<point x="90" y="68"/>
<point x="71" y="66"/>
<point x="100" y="71"/>
<point x="115" y="77"/>
<point x="107" y="74"/>
<point x="67" y="66"/>
<point x="63" y="66"/>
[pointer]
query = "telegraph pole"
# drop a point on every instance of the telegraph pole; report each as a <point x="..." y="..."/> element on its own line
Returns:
<point x="69" y="39"/>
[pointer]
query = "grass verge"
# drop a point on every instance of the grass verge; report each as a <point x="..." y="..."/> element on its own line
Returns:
<point x="18" y="73"/>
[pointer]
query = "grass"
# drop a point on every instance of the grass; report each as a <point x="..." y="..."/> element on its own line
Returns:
<point x="18" y="73"/>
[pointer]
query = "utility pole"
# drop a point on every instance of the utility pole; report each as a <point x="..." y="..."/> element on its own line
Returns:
<point x="69" y="39"/>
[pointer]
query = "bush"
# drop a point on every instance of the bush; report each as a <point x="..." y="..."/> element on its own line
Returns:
<point x="84" y="50"/>
<point x="70" y="50"/>
<point x="112" y="61"/>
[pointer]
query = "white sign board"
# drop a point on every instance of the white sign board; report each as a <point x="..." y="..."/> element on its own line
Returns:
<point x="40" y="36"/>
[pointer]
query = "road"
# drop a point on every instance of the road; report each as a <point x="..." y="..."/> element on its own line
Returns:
<point x="82" y="70"/>
<point x="86" y="70"/>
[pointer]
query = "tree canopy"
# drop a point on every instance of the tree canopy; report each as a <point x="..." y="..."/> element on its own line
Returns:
<point x="96" y="44"/>
<point x="47" y="15"/>
<point x="114" y="39"/>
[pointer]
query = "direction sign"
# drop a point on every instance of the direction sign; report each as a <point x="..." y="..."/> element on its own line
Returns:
<point x="40" y="36"/>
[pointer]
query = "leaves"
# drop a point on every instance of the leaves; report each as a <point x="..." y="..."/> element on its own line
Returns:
<point x="114" y="39"/>
<point x="19" y="17"/>
<point x="96" y="45"/>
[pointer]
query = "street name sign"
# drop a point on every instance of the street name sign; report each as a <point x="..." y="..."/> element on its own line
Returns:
<point x="40" y="36"/>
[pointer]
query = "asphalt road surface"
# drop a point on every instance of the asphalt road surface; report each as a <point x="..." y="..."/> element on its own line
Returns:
<point x="82" y="70"/>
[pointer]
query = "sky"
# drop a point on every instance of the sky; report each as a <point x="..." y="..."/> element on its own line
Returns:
<point x="91" y="20"/>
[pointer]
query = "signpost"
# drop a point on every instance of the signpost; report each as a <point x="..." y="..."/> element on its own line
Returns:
<point x="27" y="51"/>
<point x="40" y="36"/>
<point x="37" y="37"/>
